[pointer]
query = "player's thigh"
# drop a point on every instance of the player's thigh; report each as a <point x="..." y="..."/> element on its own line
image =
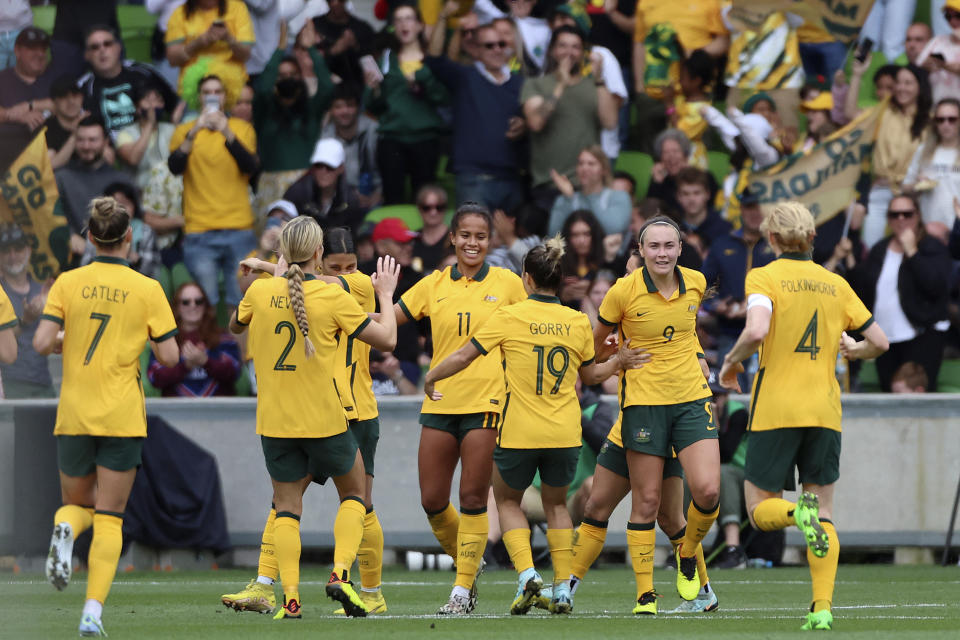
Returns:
<point x="646" y="478"/>
<point x="476" y="466"/>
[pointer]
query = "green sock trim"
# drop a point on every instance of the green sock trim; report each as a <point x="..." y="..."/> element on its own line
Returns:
<point x="356" y="498"/>
<point x="474" y="512"/>
<point x="705" y="512"/>
<point x="437" y="512"/>
<point x="115" y="514"/>
<point x="288" y="514"/>
<point x="596" y="523"/>
<point x="822" y="520"/>
<point x="640" y="526"/>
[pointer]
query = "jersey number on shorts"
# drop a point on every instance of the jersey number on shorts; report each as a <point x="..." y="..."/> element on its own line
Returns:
<point x="104" y="319"/>
<point x="281" y="365"/>
<point x="808" y="343"/>
<point x="549" y="361"/>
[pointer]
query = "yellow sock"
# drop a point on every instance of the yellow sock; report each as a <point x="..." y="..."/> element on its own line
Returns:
<point x="79" y="518"/>
<point x="347" y="533"/>
<point x="699" y="522"/>
<point x="702" y="566"/>
<point x="823" y="571"/>
<point x="104" y="554"/>
<point x="641" y="539"/>
<point x="773" y="514"/>
<point x="517" y="542"/>
<point x="445" y="524"/>
<point x="286" y="535"/>
<point x="370" y="553"/>
<point x="587" y="545"/>
<point x="471" y="542"/>
<point x="560" y="542"/>
<point x="267" y="566"/>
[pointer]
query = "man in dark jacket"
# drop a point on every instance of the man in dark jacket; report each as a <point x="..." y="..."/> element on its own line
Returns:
<point x="322" y="192"/>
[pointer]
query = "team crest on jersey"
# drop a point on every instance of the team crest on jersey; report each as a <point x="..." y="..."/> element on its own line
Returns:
<point x="604" y="448"/>
<point x="489" y="298"/>
<point x="643" y="436"/>
<point x="692" y="307"/>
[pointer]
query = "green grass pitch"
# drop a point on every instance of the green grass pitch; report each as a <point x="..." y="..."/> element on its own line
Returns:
<point x="871" y="601"/>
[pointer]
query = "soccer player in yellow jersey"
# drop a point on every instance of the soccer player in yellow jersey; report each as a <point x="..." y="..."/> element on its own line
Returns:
<point x="8" y="324"/>
<point x="461" y="427"/>
<point x="798" y="314"/>
<point x="352" y="375"/>
<point x="100" y="315"/>
<point x="294" y="322"/>
<point x="666" y="405"/>
<point x="542" y="344"/>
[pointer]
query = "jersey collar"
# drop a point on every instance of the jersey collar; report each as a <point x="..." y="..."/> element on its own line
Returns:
<point x="309" y="276"/>
<point x="793" y="255"/>
<point x="652" y="288"/>
<point x="111" y="260"/>
<point x="539" y="297"/>
<point x="484" y="270"/>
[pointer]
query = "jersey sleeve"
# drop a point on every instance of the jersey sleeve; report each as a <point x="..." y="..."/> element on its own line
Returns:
<point x="757" y="282"/>
<point x="360" y="286"/>
<point x="492" y="333"/>
<point x="349" y="316"/>
<point x="8" y="317"/>
<point x="245" y="308"/>
<point x="611" y="309"/>
<point x="160" y="321"/>
<point x="858" y="316"/>
<point x="517" y="293"/>
<point x="54" y="310"/>
<point x="179" y="135"/>
<point x="415" y="302"/>
<point x="243" y="26"/>
<point x="176" y="27"/>
<point x="247" y="135"/>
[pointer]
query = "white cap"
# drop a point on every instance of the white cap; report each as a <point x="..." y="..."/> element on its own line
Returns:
<point x="284" y="205"/>
<point x="328" y="151"/>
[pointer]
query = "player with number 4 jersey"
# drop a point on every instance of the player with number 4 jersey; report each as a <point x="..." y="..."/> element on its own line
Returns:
<point x="798" y="314"/>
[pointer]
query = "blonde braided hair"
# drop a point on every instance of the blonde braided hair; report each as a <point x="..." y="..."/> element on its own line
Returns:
<point x="299" y="241"/>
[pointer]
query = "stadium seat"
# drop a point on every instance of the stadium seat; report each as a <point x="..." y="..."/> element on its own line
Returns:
<point x="719" y="164"/>
<point x="149" y="391"/>
<point x="869" y="382"/>
<point x="406" y="212"/>
<point x="44" y="16"/>
<point x="949" y="379"/>
<point x="639" y="165"/>
<point x="136" y="29"/>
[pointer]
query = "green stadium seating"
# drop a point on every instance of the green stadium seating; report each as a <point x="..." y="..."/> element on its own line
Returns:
<point x="638" y="165"/>
<point x="136" y="29"/>
<point x="406" y="212"/>
<point x="949" y="379"/>
<point x="718" y="162"/>
<point x="43" y="17"/>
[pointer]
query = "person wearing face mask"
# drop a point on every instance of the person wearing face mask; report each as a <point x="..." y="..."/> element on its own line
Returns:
<point x="145" y="143"/>
<point x="29" y="376"/>
<point x="288" y="116"/>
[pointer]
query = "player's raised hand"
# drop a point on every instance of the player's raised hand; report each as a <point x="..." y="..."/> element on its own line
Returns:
<point x="387" y="275"/>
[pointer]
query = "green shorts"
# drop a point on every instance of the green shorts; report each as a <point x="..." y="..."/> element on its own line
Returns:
<point x="366" y="433"/>
<point x="459" y="423"/>
<point x="772" y="455"/>
<point x="79" y="456"/>
<point x="292" y="459"/>
<point x="654" y="429"/>
<point x="614" y="458"/>
<point x="517" y="467"/>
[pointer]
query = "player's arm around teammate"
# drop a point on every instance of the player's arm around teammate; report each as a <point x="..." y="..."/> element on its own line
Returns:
<point x="101" y="315"/>
<point x="462" y="426"/>
<point x="799" y="313"/>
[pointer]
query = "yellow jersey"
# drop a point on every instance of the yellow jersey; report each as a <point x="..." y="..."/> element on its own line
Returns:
<point x="543" y="345"/>
<point x="8" y="317"/>
<point x="184" y="30"/>
<point x="667" y="329"/>
<point x="353" y="356"/>
<point x="811" y="307"/>
<point x="297" y="397"/>
<point x="108" y="311"/>
<point x="457" y="307"/>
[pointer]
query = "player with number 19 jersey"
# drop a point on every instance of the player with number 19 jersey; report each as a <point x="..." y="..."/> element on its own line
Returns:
<point x="667" y="328"/>
<point x="811" y="307"/>
<point x="108" y="311"/>
<point x="297" y="397"/>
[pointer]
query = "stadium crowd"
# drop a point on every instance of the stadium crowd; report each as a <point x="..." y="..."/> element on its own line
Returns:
<point x="571" y="118"/>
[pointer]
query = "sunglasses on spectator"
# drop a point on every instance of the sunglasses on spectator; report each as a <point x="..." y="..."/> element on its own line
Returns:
<point x="500" y="44"/>
<point x="96" y="46"/>
<point x="950" y="119"/>
<point x="904" y="214"/>
<point x="196" y="302"/>
<point x="951" y="15"/>
<point x="433" y="207"/>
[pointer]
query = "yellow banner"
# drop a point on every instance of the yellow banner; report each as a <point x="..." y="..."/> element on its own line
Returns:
<point x="28" y="197"/>
<point x="825" y="177"/>
<point x="840" y="18"/>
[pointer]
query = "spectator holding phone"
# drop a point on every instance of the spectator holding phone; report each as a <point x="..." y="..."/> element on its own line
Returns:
<point x="941" y="56"/>
<point x="216" y="28"/>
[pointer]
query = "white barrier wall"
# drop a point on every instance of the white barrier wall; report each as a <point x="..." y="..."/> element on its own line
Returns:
<point x="899" y="470"/>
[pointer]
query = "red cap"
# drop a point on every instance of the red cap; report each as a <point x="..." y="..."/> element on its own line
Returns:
<point x="393" y="229"/>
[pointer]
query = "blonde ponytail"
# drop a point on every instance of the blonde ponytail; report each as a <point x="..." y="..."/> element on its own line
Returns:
<point x="295" y="287"/>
